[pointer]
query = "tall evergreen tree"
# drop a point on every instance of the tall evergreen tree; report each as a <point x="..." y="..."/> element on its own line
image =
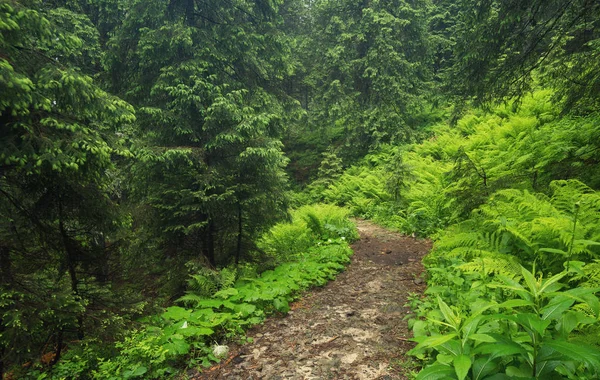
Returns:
<point x="60" y="133"/>
<point x="204" y="77"/>
<point x="367" y="68"/>
<point x="500" y="45"/>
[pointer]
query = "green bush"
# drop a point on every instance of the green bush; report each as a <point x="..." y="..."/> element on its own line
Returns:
<point x="221" y="305"/>
<point x="512" y="328"/>
<point x="309" y="225"/>
<point x="485" y="316"/>
<point x="287" y="239"/>
<point x="327" y="221"/>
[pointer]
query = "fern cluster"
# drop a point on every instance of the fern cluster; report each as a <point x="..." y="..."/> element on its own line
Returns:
<point x="523" y="189"/>
<point x="504" y="193"/>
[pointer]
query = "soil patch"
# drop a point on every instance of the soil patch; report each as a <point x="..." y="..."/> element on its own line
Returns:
<point x="352" y="328"/>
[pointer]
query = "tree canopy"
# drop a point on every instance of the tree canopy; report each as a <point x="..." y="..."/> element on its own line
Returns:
<point x="148" y="147"/>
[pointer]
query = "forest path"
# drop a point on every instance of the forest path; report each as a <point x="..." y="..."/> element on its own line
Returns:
<point x="352" y="328"/>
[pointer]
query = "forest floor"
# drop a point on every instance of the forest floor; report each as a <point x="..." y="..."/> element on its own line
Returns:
<point x="352" y="328"/>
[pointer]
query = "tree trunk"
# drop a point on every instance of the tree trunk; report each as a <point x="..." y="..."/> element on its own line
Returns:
<point x="59" y="344"/>
<point x="209" y="246"/>
<point x="71" y="261"/>
<point x="5" y="278"/>
<point x="238" y="252"/>
<point x="189" y="13"/>
<point x="5" y="266"/>
<point x="1" y="359"/>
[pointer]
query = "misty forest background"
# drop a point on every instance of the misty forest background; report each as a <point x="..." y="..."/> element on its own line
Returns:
<point x="172" y="171"/>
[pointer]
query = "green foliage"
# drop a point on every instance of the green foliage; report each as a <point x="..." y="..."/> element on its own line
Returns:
<point x="499" y="48"/>
<point x="287" y="239"/>
<point x="529" y="227"/>
<point x="440" y="181"/>
<point x="484" y="314"/>
<point x="363" y="79"/>
<point x="155" y="350"/>
<point x="309" y="225"/>
<point x="359" y="189"/>
<point x="104" y="211"/>
<point x="513" y="190"/>
<point x="211" y="163"/>
<point x="516" y="327"/>
<point x="60" y="222"/>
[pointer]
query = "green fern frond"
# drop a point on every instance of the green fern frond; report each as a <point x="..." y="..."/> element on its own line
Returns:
<point x="591" y="275"/>
<point x="526" y="243"/>
<point x="190" y="299"/>
<point x="314" y="223"/>
<point x="227" y="277"/>
<point x="202" y="284"/>
<point x="459" y="240"/>
<point x="491" y="263"/>
<point x="585" y="309"/>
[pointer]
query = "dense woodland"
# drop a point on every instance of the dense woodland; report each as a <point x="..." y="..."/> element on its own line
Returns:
<point x="173" y="171"/>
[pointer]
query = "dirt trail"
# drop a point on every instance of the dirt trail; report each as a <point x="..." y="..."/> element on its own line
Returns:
<point x="353" y="328"/>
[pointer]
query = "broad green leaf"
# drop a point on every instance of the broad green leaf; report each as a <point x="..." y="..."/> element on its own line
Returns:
<point x="437" y="322"/>
<point x="547" y="360"/>
<point x="577" y="294"/>
<point x="210" y="303"/>
<point x="529" y="321"/>
<point x="454" y="347"/>
<point x="553" y="250"/>
<point x="470" y="326"/>
<point x="196" y="331"/>
<point x="419" y="328"/>
<point x="176" y="313"/>
<point x="531" y="282"/>
<point x="226" y="293"/>
<point x="556" y="308"/>
<point x="593" y="302"/>
<point x="482" y="338"/>
<point x="462" y="364"/>
<point x="437" y="372"/>
<point x="516" y="303"/>
<point x="132" y="373"/>
<point x="575" y="266"/>
<point x="554" y="279"/>
<point x="578" y="352"/>
<point x="445" y="359"/>
<point x="177" y="346"/>
<point x="434" y="341"/>
<point x="244" y="309"/>
<point x="568" y="322"/>
<point x="500" y="349"/>
<point x="483" y="366"/>
<point x="498" y="376"/>
<point x="451" y="317"/>
<point x="519" y="373"/>
<point x="281" y="304"/>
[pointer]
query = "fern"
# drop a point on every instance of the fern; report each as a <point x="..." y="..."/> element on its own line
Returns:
<point x="203" y="283"/>
<point x="314" y="223"/>
<point x="493" y="263"/>
<point x="590" y="275"/>
<point x="206" y="283"/>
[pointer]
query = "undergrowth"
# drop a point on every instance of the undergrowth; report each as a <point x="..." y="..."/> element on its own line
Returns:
<point x="510" y="198"/>
<point x="220" y="305"/>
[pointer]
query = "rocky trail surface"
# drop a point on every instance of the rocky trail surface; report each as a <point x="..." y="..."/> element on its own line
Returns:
<point x="352" y="328"/>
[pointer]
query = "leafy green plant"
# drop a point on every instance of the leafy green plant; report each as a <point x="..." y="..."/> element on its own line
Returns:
<point x="523" y="333"/>
<point x="220" y="306"/>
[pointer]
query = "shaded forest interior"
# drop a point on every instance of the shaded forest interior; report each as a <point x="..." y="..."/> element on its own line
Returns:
<point x="173" y="171"/>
